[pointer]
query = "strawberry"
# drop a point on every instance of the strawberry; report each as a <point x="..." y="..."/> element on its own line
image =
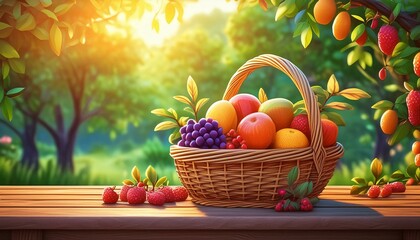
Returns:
<point x="362" y="39"/>
<point x="136" y="195"/>
<point x="156" y="198"/>
<point x="300" y="122"/>
<point x="387" y="39"/>
<point x="413" y="107"/>
<point x="374" y="191"/>
<point x="180" y="193"/>
<point x="306" y="205"/>
<point x="109" y="195"/>
<point x="382" y="73"/>
<point x="124" y="191"/>
<point x="397" y="187"/>
<point x="386" y="191"/>
<point x="169" y="194"/>
<point x="416" y="64"/>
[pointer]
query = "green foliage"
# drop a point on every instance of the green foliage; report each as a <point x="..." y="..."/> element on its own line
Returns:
<point x="151" y="177"/>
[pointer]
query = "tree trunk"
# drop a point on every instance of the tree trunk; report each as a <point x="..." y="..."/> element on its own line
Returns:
<point x="30" y="155"/>
<point x="382" y="149"/>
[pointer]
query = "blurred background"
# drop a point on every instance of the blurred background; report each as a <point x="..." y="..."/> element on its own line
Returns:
<point x="85" y="115"/>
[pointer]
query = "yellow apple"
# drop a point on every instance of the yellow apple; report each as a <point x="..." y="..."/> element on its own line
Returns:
<point x="280" y="110"/>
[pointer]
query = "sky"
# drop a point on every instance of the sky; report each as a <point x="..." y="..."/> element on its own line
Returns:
<point x="142" y="28"/>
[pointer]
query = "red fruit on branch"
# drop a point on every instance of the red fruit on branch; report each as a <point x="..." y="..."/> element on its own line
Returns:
<point x="413" y="106"/>
<point x="362" y="39"/>
<point x="374" y="23"/>
<point x="387" y="39"/>
<point x="382" y="73"/>
<point x="416" y="64"/>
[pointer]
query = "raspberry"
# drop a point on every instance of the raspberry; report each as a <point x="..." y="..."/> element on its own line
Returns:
<point x="123" y="193"/>
<point x="156" y="198"/>
<point x="416" y="64"/>
<point x="281" y="192"/>
<point x="386" y="191"/>
<point x="387" y="39"/>
<point x="413" y="107"/>
<point x="397" y="187"/>
<point x="382" y="73"/>
<point x="374" y="191"/>
<point x="306" y="205"/>
<point x="300" y="122"/>
<point x="234" y="140"/>
<point x="279" y="207"/>
<point x="180" y="193"/>
<point x="109" y="195"/>
<point x="136" y="195"/>
<point x="169" y="194"/>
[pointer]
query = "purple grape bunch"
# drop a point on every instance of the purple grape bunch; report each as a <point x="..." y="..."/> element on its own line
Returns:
<point x="205" y="133"/>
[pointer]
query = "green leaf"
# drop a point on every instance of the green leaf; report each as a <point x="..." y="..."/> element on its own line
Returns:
<point x="292" y="176"/>
<point x="1" y="93"/>
<point x="376" y="168"/>
<point x="306" y="37"/>
<point x="298" y="105"/>
<point x="400" y="133"/>
<point x="7" y="109"/>
<point x="281" y="10"/>
<point x="200" y="104"/>
<point x="33" y="3"/>
<point x="401" y="106"/>
<point x="14" y="92"/>
<point x="333" y="86"/>
<point x="190" y="110"/>
<point x="396" y="11"/>
<point x="169" y="12"/>
<point x="408" y="86"/>
<point x="411" y="170"/>
<point x="383" y="105"/>
<point x="173" y="112"/>
<point x="415" y="33"/>
<point x="335" y="117"/>
<point x="56" y="39"/>
<point x="314" y="200"/>
<point x="161" y="113"/>
<point x="359" y="180"/>
<point x="128" y="182"/>
<point x="7" y="50"/>
<point x="17" y="65"/>
<point x="352" y="57"/>
<point x="49" y="14"/>
<point x="182" y="121"/>
<point x="161" y="181"/>
<point x="418" y="174"/>
<point x="63" y="8"/>
<point x="175" y="136"/>
<point x="151" y="175"/>
<point x="367" y="57"/>
<point x="25" y="22"/>
<point x="5" y="69"/>
<point x="301" y="190"/>
<point x="183" y="99"/>
<point x="357" y="32"/>
<point x="310" y="188"/>
<point x="135" y="173"/>
<point x="397" y="174"/>
<point x="165" y="126"/>
<point x="399" y="48"/>
<point x="357" y="17"/>
<point x="40" y="33"/>
<point x="392" y="87"/>
<point x="356" y="189"/>
<point x="339" y="106"/>
<point x="353" y="94"/>
<point x="192" y="88"/>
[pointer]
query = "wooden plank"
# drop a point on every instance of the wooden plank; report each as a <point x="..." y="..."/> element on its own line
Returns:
<point x="224" y="234"/>
<point x="27" y="235"/>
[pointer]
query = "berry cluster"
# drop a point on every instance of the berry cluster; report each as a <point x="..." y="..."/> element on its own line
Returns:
<point x="205" y="133"/>
<point x="290" y="203"/>
<point x="234" y="140"/>
<point x="375" y="191"/>
<point x="138" y="195"/>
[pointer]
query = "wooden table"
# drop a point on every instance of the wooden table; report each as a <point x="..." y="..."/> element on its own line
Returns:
<point x="77" y="212"/>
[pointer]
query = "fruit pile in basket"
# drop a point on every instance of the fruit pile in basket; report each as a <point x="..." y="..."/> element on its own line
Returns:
<point x="247" y="122"/>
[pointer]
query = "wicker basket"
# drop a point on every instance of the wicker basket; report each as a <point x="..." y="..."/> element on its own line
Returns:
<point x="251" y="177"/>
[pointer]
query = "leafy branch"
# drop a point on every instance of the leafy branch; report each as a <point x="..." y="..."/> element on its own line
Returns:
<point x="326" y="106"/>
<point x="151" y="178"/>
<point x="175" y="122"/>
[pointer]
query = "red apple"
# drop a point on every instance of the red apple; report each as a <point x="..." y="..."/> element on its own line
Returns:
<point x="257" y="129"/>
<point x="280" y="110"/>
<point x="244" y="104"/>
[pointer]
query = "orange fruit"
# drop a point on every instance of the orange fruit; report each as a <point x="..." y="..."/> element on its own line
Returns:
<point x="224" y="113"/>
<point x="324" y="11"/>
<point x="290" y="138"/>
<point x="341" y="25"/>
<point x="389" y="121"/>
<point x="416" y="64"/>
<point x="257" y="129"/>
<point x="417" y="160"/>
<point x="329" y="132"/>
<point x="415" y="148"/>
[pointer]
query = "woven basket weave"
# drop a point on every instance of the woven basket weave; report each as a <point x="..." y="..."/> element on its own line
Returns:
<point x="251" y="177"/>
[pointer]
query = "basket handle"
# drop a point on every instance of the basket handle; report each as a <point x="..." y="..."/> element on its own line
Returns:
<point x="302" y="84"/>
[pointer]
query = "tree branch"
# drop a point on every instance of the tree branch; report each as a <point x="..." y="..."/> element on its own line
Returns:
<point x="13" y="128"/>
<point x="49" y="128"/>
<point x="404" y="19"/>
